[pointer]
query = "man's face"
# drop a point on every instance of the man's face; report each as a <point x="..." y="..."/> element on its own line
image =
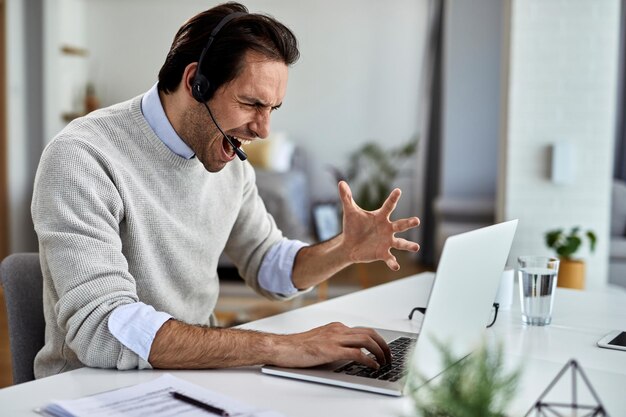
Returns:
<point x="241" y="107"/>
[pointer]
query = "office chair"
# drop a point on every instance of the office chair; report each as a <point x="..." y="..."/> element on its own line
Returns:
<point x="23" y="287"/>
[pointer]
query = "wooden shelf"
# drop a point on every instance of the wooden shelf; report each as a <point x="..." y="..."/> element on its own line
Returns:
<point x="74" y="50"/>
<point x="68" y="117"/>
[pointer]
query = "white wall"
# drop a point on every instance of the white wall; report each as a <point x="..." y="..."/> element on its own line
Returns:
<point x="471" y="105"/>
<point x="65" y="76"/>
<point x="356" y="80"/>
<point x="561" y="87"/>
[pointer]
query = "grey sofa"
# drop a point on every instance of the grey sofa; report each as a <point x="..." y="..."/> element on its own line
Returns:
<point x="617" y="246"/>
<point x="287" y="198"/>
<point x="290" y="196"/>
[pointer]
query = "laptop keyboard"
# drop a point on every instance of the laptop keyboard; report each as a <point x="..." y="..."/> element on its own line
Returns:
<point x="393" y="371"/>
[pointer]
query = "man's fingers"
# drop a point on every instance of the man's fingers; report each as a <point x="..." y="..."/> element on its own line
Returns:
<point x="403" y="244"/>
<point x="367" y="341"/>
<point x="405" y="224"/>
<point x="391" y="202"/>
<point x="381" y="342"/>
<point x="362" y="338"/>
<point x="357" y="355"/>
<point x="345" y="194"/>
<point x="392" y="262"/>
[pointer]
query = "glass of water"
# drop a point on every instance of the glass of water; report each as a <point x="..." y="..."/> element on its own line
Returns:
<point x="537" y="280"/>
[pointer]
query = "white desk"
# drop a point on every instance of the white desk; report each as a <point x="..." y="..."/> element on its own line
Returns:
<point x="580" y="319"/>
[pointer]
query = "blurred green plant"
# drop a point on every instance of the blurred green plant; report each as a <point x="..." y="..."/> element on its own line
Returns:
<point x="567" y="244"/>
<point x="372" y="171"/>
<point x="476" y="386"/>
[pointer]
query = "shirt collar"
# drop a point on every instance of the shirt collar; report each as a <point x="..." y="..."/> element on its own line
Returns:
<point x="152" y="109"/>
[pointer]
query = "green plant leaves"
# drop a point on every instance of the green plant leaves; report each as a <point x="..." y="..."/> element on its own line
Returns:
<point x="571" y="245"/>
<point x="372" y="170"/>
<point x="567" y="244"/>
<point x="477" y="386"/>
<point x="592" y="240"/>
<point x="552" y="237"/>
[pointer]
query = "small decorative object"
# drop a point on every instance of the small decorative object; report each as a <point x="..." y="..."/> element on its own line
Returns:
<point x="326" y="217"/>
<point x="91" y="100"/>
<point x="544" y="408"/>
<point x="476" y="386"/>
<point x="571" y="270"/>
<point x="372" y="170"/>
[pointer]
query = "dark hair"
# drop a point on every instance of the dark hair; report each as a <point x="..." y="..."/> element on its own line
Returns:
<point x="224" y="60"/>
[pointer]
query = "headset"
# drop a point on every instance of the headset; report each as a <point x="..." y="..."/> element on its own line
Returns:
<point x="201" y="88"/>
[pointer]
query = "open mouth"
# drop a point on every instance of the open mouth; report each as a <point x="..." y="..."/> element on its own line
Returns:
<point x="236" y="141"/>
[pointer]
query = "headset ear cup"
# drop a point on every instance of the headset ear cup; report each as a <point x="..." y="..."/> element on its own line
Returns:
<point x="200" y="88"/>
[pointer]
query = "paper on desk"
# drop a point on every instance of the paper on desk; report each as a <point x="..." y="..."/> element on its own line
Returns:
<point x="152" y="399"/>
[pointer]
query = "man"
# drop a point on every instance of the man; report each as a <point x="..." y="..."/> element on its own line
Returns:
<point x="134" y="204"/>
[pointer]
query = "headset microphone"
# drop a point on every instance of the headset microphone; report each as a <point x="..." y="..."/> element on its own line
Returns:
<point x="240" y="153"/>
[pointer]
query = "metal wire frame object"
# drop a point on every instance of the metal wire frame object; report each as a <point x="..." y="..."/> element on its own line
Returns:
<point x="547" y="409"/>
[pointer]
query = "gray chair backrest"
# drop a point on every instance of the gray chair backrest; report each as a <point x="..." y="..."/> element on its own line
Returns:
<point x="23" y="292"/>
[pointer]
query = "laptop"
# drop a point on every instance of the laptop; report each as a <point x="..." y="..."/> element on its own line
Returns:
<point x="459" y="308"/>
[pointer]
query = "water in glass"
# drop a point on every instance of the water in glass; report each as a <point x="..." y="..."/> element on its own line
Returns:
<point x="537" y="294"/>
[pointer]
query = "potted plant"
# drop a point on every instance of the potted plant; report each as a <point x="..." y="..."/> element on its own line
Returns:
<point x="477" y="386"/>
<point x="372" y="171"/>
<point x="571" y="270"/>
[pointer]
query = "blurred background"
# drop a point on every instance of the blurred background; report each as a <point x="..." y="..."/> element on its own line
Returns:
<point x="515" y="109"/>
<point x="515" y="106"/>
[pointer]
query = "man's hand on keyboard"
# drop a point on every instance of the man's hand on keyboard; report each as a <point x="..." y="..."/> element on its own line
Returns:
<point x="330" y="343"/>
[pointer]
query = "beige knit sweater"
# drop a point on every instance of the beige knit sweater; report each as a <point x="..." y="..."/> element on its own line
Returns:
<point x="120" y="218"/>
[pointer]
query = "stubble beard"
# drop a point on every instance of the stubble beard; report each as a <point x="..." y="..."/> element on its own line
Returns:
<point x="200" y="134"/>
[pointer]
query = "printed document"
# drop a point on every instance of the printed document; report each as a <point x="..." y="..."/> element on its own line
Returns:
<point x="153" y="398"/>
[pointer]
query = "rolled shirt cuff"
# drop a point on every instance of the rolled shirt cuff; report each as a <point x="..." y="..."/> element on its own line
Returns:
<point x="135" y="325"/>
<point x="275" y="274"/>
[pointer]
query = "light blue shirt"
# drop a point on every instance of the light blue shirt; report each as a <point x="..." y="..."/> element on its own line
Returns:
<point x="135" y="325"/>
